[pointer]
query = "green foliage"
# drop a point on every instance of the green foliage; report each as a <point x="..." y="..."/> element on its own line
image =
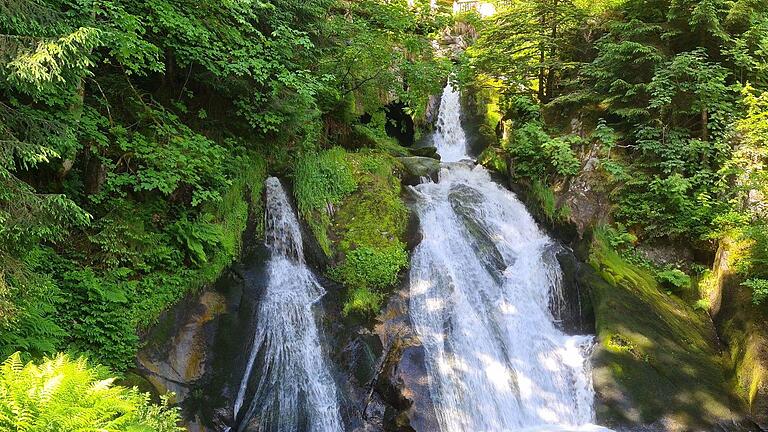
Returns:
<point x="28" y="305"/>
<point x="362" y="301"/>
<point x="759" y="289"/>
<point x="674" y="279"/>
<point x="662" y="79"/>
<point x="536" y="155"/>
<point x="545" y="197"/>
<point x="197" y="237"/>
<point x="618" y="237"/>
<point x="62" y="394"/>
<point x="372" y="268"/>
<point x="322" y="179"/>
<point x="370" y="227"/>
<point x="133" y="134"/>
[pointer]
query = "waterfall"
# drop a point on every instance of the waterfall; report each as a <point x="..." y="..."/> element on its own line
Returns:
<point x="450" y="139"/>
<point x="286" y="377"/>
<point x="481" y="285"/>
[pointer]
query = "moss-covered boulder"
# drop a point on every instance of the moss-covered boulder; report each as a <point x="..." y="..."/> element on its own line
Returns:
<point x="426" y="151"/>
<point x="743" y="327"/>
<point x="369" y="228"/>
<point x="658" y="361"/>
<point x="418" y="167"/>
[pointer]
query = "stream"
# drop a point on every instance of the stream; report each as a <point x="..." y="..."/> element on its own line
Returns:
<point x="287" y="385"/>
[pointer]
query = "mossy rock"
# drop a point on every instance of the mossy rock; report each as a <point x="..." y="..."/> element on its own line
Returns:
<point x="743" y="326"/>
<point x="369" y="232"/>
<point x="658" y="360"/>
<point x="427" y="151"/>
<point x="417" y="167"/>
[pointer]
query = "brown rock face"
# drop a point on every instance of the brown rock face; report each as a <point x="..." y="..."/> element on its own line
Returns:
<point x="173" y="362"/>
<point x="402" y="382"/>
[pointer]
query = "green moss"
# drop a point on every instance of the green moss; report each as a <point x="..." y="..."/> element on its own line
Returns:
<point x="352" y="204"/>
<point x="494" y="159"/>
<point x="659" y="356"/>
<point x="362" y="300"/>
<point x="321" y="181"/>
<point x="369" y="230"/>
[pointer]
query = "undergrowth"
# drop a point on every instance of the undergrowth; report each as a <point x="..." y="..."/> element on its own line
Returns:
<point x="136" y="262"/>
<point x="361" y="232"/>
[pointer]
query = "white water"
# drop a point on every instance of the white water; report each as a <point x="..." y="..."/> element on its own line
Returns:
<point x="450" y="139"/>
<point x="294" y="389"/>
<point x="482" y="280"/>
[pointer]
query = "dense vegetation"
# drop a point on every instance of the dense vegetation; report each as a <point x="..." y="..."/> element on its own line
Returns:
<point x="662" y="102"/>
<point x="135" y="137"/>
<point x="62" y="394"/>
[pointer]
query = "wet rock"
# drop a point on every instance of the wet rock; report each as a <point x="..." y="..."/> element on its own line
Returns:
<point x="361" y="356"/>
<point x="432" y="111"/>
<point x="418" y="167"/>
<point x="464" y="201"/>
<point x="576" y="315"/>
<point x="427" y="151"/>
<point x="402" y="382"/>
<point x="175" y="363"/>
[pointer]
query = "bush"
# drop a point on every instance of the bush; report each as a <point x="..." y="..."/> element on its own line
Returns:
<point x="674" y="279"/>
<point x="370" y="267"/>
<point x="536" y="155"/>
<point x="61" y="394"/>
<point x="362" y="301"/>
<point x="759" y="289"/>
<point x="546" y="199"/>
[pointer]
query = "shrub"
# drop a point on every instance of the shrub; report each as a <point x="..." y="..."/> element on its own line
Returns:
<point x="362" y="301"/>
<point x="370" y="267"/>
<point x="61" y="394"/>
<point x="759" y="289"/>
<point x="546" y="199"/>
<point x="674" y="279"/>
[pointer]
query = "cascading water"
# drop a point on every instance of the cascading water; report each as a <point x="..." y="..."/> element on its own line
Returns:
<point x="450" y="139"/>
<point x="287" y="382"/>
<point x="482" y="280"/>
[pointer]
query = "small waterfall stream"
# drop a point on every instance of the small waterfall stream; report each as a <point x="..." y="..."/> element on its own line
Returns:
<point x="450" y="140"/>
<point x="287" y="386"/>
<point x="481" y="282"/>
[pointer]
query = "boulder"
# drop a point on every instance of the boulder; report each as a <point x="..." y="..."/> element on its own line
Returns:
<point x="402" y="381"/>
<point x="419" y="167"/>
<point x="175" y="361"/>
<point x="658" y="364"/>
<point x="426" y="151"/>
<point x="743" y="326"/>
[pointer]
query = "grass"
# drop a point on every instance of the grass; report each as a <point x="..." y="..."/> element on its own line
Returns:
<point x="546" y="199"/>
<point x="321" y="181"/>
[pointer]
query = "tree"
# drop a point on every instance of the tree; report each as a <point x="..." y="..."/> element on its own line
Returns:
<point x="524" y="45"/>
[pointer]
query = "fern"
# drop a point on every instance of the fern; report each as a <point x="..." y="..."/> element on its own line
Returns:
<point x="62" y="394"/>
